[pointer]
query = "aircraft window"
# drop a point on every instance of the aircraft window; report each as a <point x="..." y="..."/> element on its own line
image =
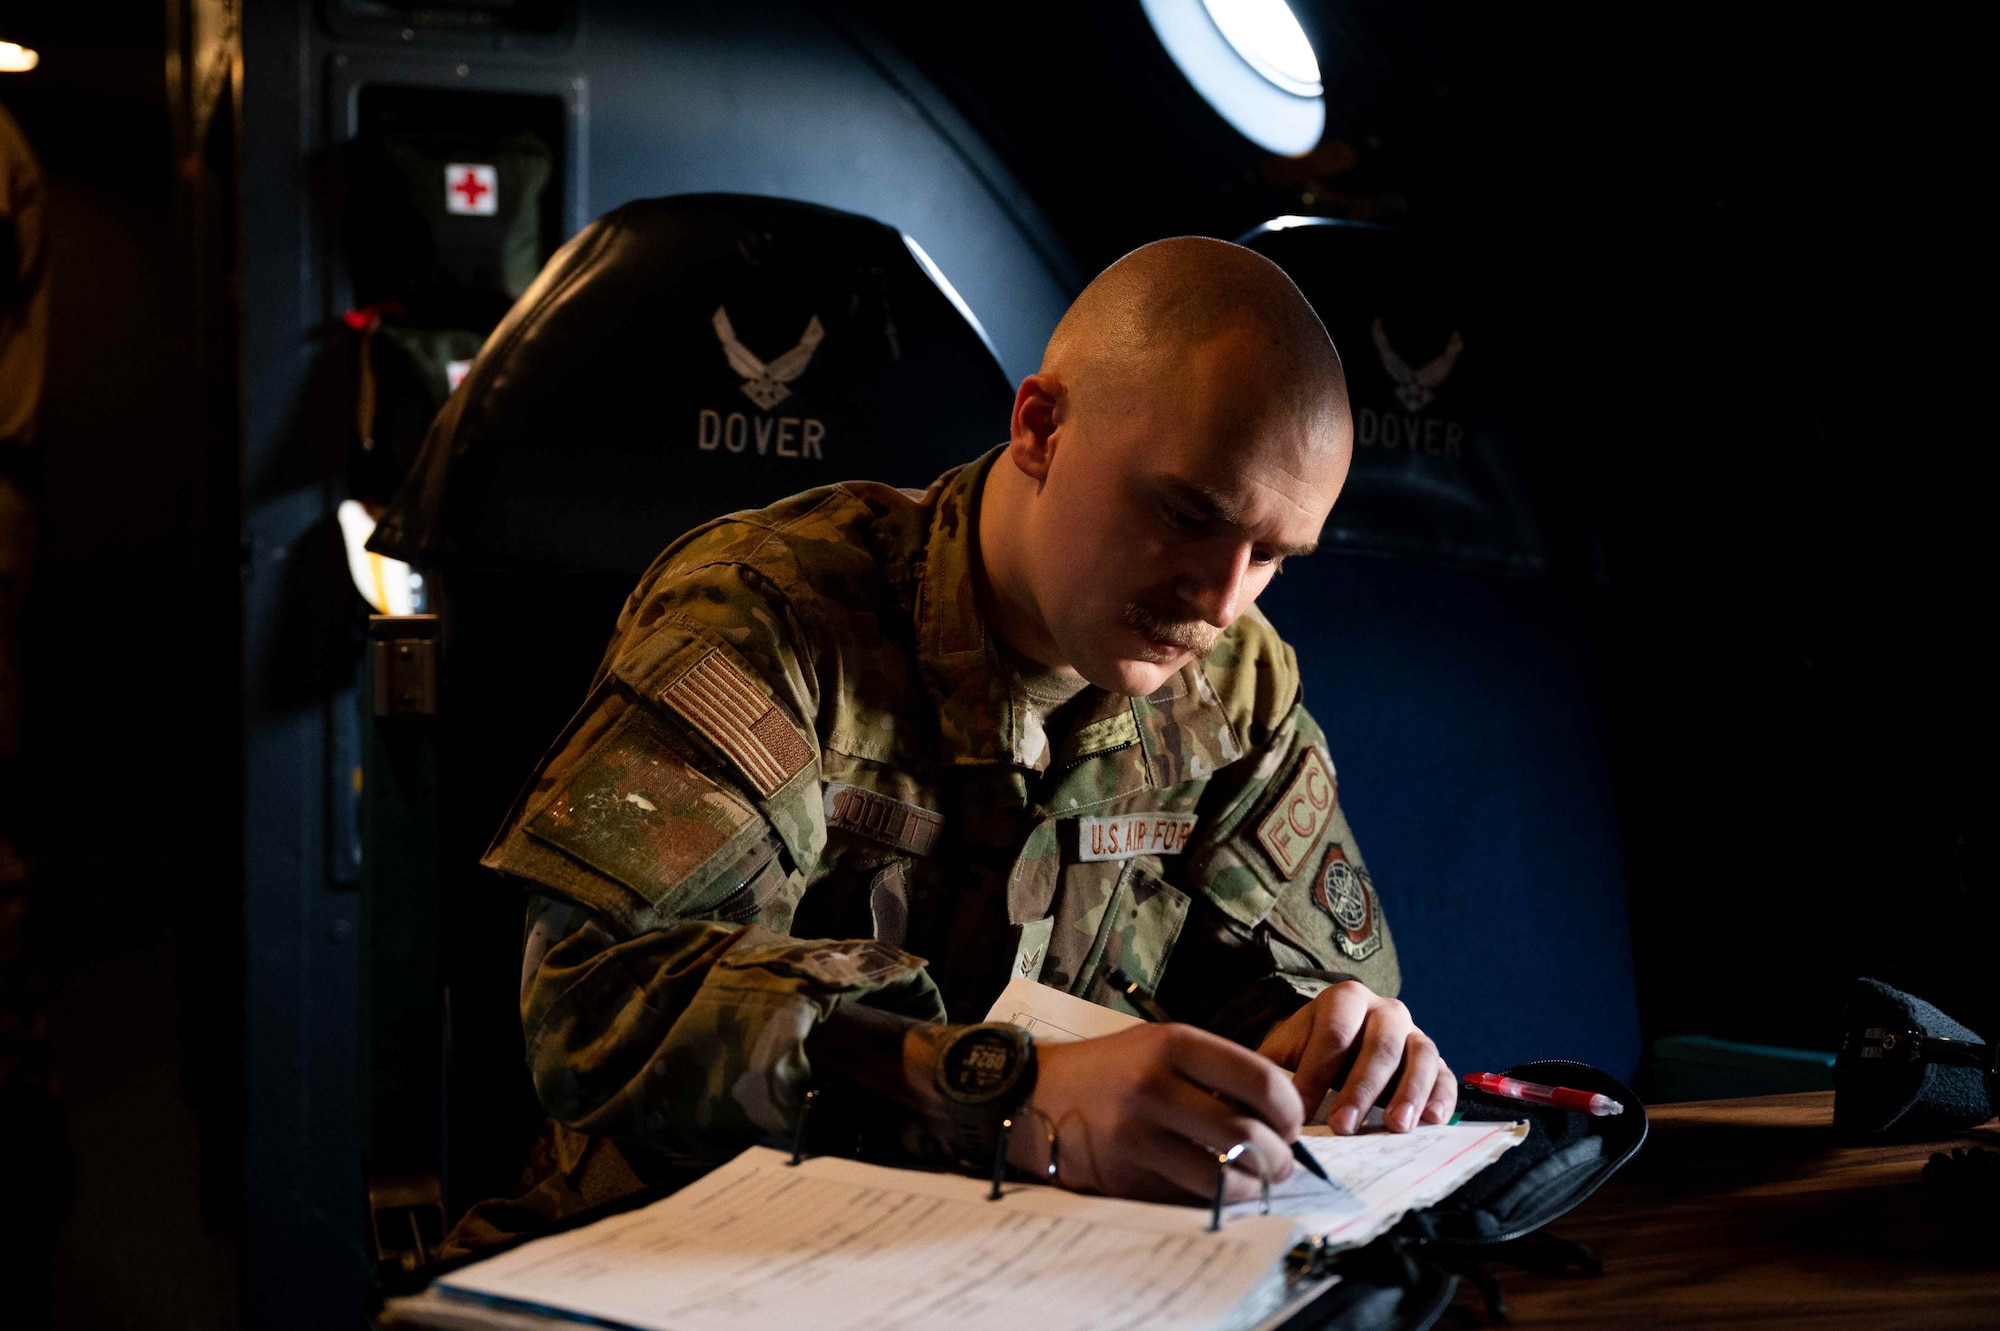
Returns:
<point x="1252" y="62"/>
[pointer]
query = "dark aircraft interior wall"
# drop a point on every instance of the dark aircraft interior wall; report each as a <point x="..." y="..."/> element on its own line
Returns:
<point x="781" y="99"/>
<point x="1725" y="746"/>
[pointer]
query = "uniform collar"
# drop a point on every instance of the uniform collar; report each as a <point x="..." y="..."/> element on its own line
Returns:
<point x="979" y="718"/>
<point x="1181" y="729"/>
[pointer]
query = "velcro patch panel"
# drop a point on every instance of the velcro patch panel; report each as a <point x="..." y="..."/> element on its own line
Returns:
<point x="728" y="708"/>
<point x="638" y="814"/>
<point x="910" y="828"/>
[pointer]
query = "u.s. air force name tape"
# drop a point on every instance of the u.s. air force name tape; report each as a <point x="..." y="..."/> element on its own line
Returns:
<point x="1124" y="835"/>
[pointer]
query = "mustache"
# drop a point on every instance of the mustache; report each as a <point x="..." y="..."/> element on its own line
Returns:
<point x="1192" y="635"/>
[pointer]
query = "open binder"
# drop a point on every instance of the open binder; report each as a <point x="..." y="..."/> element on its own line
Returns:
<point x="771" y="1239"/>
<point x="834" y="1243"/>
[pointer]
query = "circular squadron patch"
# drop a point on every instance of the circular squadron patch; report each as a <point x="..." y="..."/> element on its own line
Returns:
<point x="1344" y="892"/>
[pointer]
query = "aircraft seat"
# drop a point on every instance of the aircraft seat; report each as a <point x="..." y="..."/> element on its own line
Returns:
<point x="678" y="359"/>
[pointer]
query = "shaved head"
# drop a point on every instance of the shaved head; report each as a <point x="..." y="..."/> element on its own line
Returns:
<point x="1151" y="308"/>
<point x="1187" y="432"/>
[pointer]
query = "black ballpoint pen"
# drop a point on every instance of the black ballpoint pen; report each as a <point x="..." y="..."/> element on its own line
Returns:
<point x="1149" y="1008"/>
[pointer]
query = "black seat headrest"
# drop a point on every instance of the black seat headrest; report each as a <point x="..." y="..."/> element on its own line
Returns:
<point x="686" y="357"/>
<point x="1440" y="473"/>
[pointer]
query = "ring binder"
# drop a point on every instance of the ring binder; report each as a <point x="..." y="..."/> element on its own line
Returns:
<point x="1118" y="1262"/>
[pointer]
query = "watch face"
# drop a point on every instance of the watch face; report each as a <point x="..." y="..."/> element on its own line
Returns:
<point x="982" y="1063"/>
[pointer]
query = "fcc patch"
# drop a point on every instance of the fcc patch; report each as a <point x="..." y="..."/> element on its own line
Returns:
<point x="1343" y="891"/>
<point x="1294" y="823"/>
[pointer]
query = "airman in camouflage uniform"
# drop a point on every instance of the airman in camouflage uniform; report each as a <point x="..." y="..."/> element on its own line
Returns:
<point x="807" y="777"/>
<point x="803" y="730"/>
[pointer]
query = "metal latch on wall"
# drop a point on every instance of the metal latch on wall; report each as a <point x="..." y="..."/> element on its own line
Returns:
<point x="403" y="654"/>
<point x="406" y="1215"/>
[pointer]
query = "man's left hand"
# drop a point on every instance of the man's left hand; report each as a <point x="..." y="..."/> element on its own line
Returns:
<point x="1351" y="1024"/>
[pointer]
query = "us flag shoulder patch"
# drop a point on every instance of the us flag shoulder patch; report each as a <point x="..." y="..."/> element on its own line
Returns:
<point x="732" y="713"/>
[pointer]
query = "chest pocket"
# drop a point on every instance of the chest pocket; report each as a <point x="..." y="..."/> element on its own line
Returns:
<point x="1134" y="934"/>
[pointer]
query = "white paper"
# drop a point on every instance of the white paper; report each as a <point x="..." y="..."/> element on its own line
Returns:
<point x="838" y="1244"/>
<point x="1378" y="1177"/>
<point x="1053" y="1016"/>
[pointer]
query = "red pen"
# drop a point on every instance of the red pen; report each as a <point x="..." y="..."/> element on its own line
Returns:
<point x="1562" y="1097"/>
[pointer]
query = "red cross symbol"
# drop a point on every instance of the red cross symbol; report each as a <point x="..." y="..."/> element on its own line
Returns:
<point x="471" y="188"/>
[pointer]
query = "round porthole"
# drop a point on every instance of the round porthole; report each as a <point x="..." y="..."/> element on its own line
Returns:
<point x="1252" y="62"/>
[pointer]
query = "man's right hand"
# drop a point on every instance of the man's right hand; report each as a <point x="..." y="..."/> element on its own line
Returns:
<point x="1144" y="1114"/>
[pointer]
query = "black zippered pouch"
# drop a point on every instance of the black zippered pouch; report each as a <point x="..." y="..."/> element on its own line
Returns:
<point x="1405" y="1280"/>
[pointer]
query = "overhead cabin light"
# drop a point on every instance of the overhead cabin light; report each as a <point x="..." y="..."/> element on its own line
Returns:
<point x="1267" y="35"/>
<point x="17" y="59"/>
<point x="1292" y="221"/>
<point x="1251" y="61"/>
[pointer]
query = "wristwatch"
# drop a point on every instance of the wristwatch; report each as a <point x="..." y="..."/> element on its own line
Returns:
<point x="984" y="1074"/>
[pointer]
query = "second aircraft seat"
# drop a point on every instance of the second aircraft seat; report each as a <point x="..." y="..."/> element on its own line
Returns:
<point x="1444" y="645"/>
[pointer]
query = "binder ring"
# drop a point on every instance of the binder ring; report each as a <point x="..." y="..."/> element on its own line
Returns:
<point x="1048" y="1126"/>
<point x="1223" y="1160"/>
<point x="1000" y="1151"/>
<point x="799" y="1134"/>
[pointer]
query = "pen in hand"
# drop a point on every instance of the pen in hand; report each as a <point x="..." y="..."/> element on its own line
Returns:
<point x="1149" y="1008"/>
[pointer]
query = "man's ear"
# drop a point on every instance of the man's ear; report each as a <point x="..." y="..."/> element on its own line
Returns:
<point x="1038" y="408"/>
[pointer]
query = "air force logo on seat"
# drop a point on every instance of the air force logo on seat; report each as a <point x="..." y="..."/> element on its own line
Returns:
<point x="766" y="384"/>
<point x="1415" y="388"/>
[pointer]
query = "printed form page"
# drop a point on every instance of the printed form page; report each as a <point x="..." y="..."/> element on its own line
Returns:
<point x="1377" y="1176"/>
<point x="838" y="1244"/>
